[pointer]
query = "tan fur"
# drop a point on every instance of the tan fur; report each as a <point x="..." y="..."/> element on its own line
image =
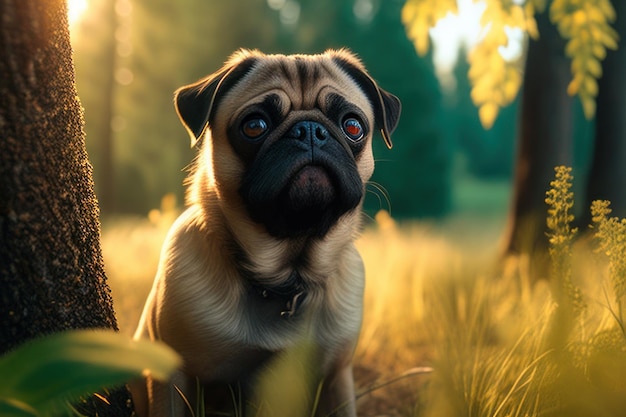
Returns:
<point x="197" y="302"/>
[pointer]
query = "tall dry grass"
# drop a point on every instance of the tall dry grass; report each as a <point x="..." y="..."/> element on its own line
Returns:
<point x="500" y="341"/>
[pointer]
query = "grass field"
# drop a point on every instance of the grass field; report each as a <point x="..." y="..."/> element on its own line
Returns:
<point x="439" y="295"/>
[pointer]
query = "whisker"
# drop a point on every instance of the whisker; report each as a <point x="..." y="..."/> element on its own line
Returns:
<point x="380" y="201"/>
<point x="381" y="193"/>
<point x="369" y="218"/>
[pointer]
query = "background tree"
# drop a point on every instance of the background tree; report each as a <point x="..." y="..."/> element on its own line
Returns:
<point x="563" y="33"/>
<point x="607" y="176"/>
<point x="51" y="271"/>
<point x="417" y="172"/>
<point x="547" y="137"/>
<point x="151" y="149"/>
<point x="544" y="136"/>
<point x="489" y="153"/>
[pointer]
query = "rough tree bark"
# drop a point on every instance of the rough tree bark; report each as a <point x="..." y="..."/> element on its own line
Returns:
<point x="607" y="177"/>
<point x="544" y="139"/>
<point x="51" y="270"/>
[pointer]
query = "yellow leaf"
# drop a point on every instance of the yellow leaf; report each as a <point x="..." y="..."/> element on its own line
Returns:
<point x="607" y="9"/>
<point x="590" y="85"/>
<point x="596" y="32"/>
<point x="496" y="36"/>
<point x="487" y="114"/>
<point x="497" y="96"/>
<point x="598" y="51"/>
<point x="584" y="36"/>
<point x="564" y="25"/>
<point x="511" y="86"/>
<point x="516" y="16"/>
<point x="480" y="93"/>
<point x="594" y="15"/>
<point x="480" y="62"/>
<point x="421" y="44"/>
<point x="531" y="28"/>
<point x="594" y="67"/>
<point x="510" y="91"/>
<point x="581" y="62"/>
<point x="409" y="12"/>
<point x="513" y="73"/>
<point x="609" y="38"/>
<point x="589" y="106"/>
<point x="574" y="85"/>
<point x="418" y="16"/>
<point x="572" y="47"/>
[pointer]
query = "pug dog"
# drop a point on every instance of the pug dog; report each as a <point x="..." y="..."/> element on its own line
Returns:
<point x="263" y="257"/>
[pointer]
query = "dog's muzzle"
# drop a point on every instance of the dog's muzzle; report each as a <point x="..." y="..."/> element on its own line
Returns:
<point x="302" y="182"/>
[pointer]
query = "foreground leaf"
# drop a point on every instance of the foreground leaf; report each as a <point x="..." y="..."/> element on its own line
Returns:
<point x="13" y="408"/>
<point x="44" y="374"/>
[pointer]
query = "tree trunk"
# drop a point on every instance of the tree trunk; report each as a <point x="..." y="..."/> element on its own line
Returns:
<point x="607" y="177"/>
<point x="51" y="271"/>
<point x="545" y="138"/>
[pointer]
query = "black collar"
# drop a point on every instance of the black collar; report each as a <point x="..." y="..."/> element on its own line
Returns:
<point x="291" y="293"/>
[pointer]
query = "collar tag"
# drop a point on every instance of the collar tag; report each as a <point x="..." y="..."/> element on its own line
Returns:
<point x="292" y="306"/>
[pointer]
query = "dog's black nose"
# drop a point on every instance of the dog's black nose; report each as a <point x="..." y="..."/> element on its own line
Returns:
<point x="307" y="130"/>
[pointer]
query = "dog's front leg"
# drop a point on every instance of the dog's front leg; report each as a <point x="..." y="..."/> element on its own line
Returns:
<point x="171" y="398"/>
<point x="337" y="398"/>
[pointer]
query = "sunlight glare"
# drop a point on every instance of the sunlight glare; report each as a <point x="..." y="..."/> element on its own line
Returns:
<point x="514" y="48"/>
<point x="290" y="13"/>
<point x="456" y="33"/>
<point x="452" y="34"/>
<point x="276" y="4"/>
<point x="75" y="10"/>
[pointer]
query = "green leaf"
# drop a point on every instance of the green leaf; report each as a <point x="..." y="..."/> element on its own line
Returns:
<point x="14" y="408"/>
<point x="45" y="373"/>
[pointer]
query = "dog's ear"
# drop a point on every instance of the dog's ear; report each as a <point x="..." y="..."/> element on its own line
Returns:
<point x="387" y="107"/>
<point x="195" y="102"/>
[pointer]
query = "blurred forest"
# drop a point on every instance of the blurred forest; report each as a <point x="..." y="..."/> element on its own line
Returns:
<point x="130" y="56"/>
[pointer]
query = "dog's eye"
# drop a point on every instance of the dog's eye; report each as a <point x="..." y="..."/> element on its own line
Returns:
<point x="254" y="127"/>
<point x="353" y="129"/>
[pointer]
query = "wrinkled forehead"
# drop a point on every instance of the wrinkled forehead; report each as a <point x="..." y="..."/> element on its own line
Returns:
<point x="304" y="83"/>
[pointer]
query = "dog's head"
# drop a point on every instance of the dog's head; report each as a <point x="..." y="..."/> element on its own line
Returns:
<point x="289" y="136"/>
